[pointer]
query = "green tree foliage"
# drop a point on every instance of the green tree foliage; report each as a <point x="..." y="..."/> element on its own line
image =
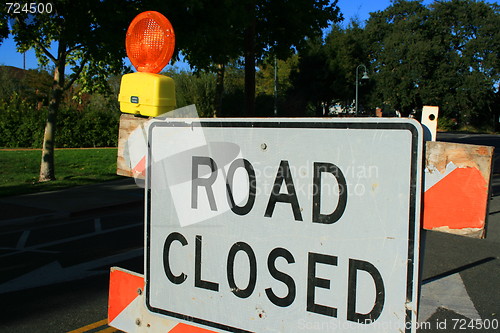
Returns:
<point x="265" y="75"/>
<point x="445" y="54"/>
<point x="326" y="73"/>
<point x="272" y="84"/>
<point x="195" y="88"/>
<point x="404" y="53"/>
<point x="88" y="121"/>
<point x="199" y="88"/>
<point x="90" y="37"/>
<point x="312" y="78"/>
<point x="279" y="28"/>
<point x="4" y="26"/>
<point x="32" y="85"/>
<point x="212" y="33"/>
<point x="347" y="49"/>
<point x="470" y="38"/>
<point x="234" y="87"/>
<point x="7" y="85"/>
<point x="22" y="124"/>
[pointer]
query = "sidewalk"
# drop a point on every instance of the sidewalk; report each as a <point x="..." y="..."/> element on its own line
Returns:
<point x="30" y="208"/>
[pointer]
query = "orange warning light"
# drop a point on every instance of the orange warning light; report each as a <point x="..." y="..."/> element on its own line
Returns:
<point x="150" y="42"/>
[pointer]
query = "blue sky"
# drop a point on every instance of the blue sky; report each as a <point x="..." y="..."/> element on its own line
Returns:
<point x="349" y="8"/>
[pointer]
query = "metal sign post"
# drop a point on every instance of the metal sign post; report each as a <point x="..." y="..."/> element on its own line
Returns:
<point x="284" y="225"/>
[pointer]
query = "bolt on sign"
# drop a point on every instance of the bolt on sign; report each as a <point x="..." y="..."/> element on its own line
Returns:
<point x="284" y="225"/>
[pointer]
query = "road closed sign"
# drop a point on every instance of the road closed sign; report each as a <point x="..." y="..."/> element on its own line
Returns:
<point x="284" y="225"/>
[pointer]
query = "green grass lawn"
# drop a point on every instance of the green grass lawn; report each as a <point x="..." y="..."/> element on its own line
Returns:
<point x="19" y="169"/>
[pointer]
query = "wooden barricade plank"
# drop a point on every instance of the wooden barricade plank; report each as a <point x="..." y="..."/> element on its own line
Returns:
<point x="128" y="123"/>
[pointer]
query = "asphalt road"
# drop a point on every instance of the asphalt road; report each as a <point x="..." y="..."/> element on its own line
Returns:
<point x="57" y="280"/>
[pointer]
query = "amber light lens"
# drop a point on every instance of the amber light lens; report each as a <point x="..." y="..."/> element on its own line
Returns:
<point x="150" y="42"/>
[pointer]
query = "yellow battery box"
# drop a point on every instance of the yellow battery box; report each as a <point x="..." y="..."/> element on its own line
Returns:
<point x="146" y="94"/>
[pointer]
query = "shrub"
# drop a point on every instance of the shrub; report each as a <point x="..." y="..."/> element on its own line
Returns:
<point x="22" y="126"/>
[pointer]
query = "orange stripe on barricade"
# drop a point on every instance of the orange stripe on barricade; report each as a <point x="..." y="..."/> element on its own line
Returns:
<point x="458" y="201"/>
<point x="140" y="168"/>
<point x="184" y="328"/>
<point x="123" y="289"/>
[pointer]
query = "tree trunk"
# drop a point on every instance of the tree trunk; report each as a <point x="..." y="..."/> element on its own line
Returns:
<point x="219" y="89"/>
<point x="249" y="41"/>
<point x="495" y="110"/>
<point x="47" y="170"/>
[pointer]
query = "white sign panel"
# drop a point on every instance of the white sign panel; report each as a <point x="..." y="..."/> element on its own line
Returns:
<point x="284" y="225"/>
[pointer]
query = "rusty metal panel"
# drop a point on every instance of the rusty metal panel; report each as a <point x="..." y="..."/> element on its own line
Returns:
<point x="457" y="188"/>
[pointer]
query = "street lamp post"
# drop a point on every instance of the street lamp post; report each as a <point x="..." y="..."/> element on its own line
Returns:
<point x="365" y="77"/>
